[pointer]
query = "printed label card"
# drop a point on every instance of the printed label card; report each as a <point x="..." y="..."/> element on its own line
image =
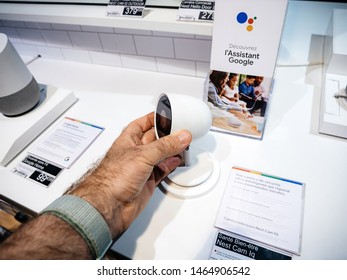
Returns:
<point x="38" y="170"/>
<point x="196" y="11"/>
<point x="228" y="246"/>
<point x="58" y="149"/>
<point x="66" y="142"/>
<point x="264" y="208"/>
<point x="121" y="8"/>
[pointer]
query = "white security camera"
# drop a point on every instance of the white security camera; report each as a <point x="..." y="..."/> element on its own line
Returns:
<point x="175" y="112"/>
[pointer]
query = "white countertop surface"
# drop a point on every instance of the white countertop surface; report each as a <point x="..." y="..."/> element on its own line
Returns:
<point x="172" y="228"/>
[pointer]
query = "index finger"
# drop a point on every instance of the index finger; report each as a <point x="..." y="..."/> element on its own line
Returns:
<point x="141" y="125"/>
<point x="146" y="122"/>
<point x="166" y="146"/>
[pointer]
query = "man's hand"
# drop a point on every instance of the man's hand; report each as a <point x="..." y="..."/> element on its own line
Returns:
<point x="124" y="181"/>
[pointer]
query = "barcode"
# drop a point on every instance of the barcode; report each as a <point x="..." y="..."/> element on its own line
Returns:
<point x="186" y="18"/>
<point x="20" y="173"/>
<point x="116" y="13"/>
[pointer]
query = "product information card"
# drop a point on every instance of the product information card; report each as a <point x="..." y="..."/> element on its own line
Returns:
<point x="245" y="43"/>
<point x="263" y="208"/>
<point x="57" y="150"/>
<point x="65" y="143"/>
<point x="246" y="36"/>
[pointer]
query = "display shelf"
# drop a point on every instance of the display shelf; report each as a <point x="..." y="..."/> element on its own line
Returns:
<point x="156" y="19"/>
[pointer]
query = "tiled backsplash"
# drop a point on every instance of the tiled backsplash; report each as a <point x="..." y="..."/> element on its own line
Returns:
<point x="129" y="48"/>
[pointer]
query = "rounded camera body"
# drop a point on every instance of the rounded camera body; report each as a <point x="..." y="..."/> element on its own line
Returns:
<point x="175" y="112"/>
<point x="198" y="172"/>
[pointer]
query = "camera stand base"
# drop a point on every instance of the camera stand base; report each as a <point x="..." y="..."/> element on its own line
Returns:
<point x="194" y="180"/>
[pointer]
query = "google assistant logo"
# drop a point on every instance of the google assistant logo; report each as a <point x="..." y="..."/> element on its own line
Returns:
<point x="242" y="18"/>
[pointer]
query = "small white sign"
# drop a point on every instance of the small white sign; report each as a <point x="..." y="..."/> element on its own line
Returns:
<point x="66" y="142"/>
<point x="121" y="8"/>
<point x="263" y="207"/>
<point x="246" y="36"/>
<point x="196" y="11"/>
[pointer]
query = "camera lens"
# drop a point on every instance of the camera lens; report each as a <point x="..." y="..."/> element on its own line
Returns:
<point x="163" y="117"/>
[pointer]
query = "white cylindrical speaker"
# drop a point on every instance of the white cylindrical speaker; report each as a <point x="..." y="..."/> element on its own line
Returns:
<point x="19" y="91"/>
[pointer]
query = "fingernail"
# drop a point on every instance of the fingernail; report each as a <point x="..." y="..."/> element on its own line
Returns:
<point x="184" y="137"/>
<point x="173" y="162"/>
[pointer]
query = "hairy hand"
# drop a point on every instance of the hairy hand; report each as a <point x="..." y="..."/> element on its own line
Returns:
<point x="124" y="181"/>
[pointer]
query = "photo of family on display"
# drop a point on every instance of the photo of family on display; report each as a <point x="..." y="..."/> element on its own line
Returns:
<point x="238" y="102"/>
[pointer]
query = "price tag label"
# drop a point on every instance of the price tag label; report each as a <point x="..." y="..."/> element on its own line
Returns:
<point x="38" y="170"/>
<point x="121" y="8"/>
<point x="196" y="11"/>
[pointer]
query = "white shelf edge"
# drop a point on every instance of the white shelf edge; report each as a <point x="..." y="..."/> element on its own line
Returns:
<point x="155" y="19"/>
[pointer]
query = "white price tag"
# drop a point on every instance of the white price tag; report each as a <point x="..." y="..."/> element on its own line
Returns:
<point x="196" y="11"/>
<point x="121" y="8"/>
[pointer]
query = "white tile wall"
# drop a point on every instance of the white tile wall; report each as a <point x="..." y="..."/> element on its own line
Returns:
<point x="184" y="54"/>
<point x="76" y="55"/>
<point x="69" y="27"/>
<point x="105" y="58"/>
<point x="118" y="43"/>
<point x="192" y="49"/>
<point x="173" y="34"/>
<point x="85" y="40"/>
<point x="31" y="36"/>
<point x="139" y="62"/>
<point x="202" y="68"/>
<point x="97" y="29"/>
<point x="26" y="50"/>
<point x="11" y="33"/>
<point x="50" y="52"/>
<point x="39" y="25"/>
<point x="132" y="31"/>
<point x="13" y="23"/>
<point x="175" y="66"/>
<point x="154" y="46"/>
<point x="56" y="38"/>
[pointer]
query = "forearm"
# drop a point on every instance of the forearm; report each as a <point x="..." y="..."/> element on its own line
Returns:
<point x="96" y="190"/>
<point x="46" y="237"/>
<point x="50" y="237"/>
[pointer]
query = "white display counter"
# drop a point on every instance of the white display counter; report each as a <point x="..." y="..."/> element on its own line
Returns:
<point x="172" y="228"/>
